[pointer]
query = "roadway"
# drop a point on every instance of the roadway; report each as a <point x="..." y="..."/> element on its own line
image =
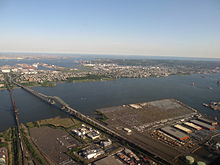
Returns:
<point x="19" y="143"/>
<point x="65" y="107"/>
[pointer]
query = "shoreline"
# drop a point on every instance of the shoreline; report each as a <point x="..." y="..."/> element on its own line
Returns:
<point x="105" y="79"/>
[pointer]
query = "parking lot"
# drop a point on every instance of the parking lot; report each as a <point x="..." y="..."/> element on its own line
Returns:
<point x="58" y="143"/>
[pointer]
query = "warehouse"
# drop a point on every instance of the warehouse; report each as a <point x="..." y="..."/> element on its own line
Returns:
<point x="184" y="129"/>
<point x="202" y="124"/>
<point x="175" y="133"/>
<point x="193" y="125"/>
<point x="208" y="121"/>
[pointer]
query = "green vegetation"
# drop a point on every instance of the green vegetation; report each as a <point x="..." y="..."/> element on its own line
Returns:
<point x="15" y="148"/>
<point x="48" y="84"/>
<point x="6" y="141"/>
<point x="44" y="84"/>
<point x="30" y="125"/>
<point x="3" y="144"/>
<point x="6" y="135"/>
<point x="7" y="82"/>
<point x="75" y="157"/>
<point x="2" y="83"/>
<point x="89" y="77"/>
<point x="59" y="122"/>
<point x="100" y="116"/>
<point x="31" y="148"/>
<point x="36" y="124"/>
<point x="30" y="84"/>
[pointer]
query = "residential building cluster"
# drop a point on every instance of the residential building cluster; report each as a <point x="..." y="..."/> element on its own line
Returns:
<point x="46" y="76"/>
<point x="42" y="72"/>
<point x="26" y="73"/>
<point x="141" y="68"/>
<point x="2" y="80"/>
<point x="121" y="71"/>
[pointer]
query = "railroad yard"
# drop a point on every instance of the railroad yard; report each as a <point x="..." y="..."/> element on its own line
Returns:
<point x="167" y="128"/>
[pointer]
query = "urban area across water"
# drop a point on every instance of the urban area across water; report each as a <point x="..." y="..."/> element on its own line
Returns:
<point x="109" y="82"/>
<point x="93" y="110"/>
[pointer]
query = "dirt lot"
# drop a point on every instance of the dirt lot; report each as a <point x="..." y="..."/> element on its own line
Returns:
<point x="50" y="140"/>
<point x="129" y="116"/>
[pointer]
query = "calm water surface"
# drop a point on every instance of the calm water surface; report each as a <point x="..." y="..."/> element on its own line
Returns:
<point x="88" y="96"/>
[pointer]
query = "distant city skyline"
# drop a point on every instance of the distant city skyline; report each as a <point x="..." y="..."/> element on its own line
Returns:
<point x="116" y="27"/>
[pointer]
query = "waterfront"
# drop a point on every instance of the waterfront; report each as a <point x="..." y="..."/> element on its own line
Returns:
<point x="88" y="96"/>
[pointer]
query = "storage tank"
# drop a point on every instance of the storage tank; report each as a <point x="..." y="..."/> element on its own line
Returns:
<point x="189" y="159"/>
<point x="201" y="163"/>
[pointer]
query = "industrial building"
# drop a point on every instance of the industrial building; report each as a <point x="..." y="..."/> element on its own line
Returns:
<point x="106" y="143"/>
<point x="202" y="124"/>
<point x="208" y="121"/>
<point x="193" y="125"/>
<point x="86" y="131"/>
<point x="184" y="129"/>
<point x="93" y="135"/>
<point x="175" y="133"/>
<point x="91" y="153"/>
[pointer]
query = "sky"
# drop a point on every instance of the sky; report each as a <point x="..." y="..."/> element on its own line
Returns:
<point x="185" y="28"/>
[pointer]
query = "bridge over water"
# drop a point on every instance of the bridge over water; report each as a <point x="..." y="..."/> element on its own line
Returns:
<point x="55" y="100"/>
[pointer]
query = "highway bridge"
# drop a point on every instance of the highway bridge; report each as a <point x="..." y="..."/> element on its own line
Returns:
<point x="54" y="100"/>
<point x="18" y="149"/>
<point x="19" y="137"/>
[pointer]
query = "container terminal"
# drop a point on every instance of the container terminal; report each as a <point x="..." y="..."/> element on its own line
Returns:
<point x="168" y="128"/>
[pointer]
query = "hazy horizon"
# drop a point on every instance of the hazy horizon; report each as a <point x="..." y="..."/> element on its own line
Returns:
<point x="114" y="56"/>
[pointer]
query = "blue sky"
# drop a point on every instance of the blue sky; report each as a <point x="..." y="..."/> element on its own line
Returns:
<point x="188" y="28"/>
